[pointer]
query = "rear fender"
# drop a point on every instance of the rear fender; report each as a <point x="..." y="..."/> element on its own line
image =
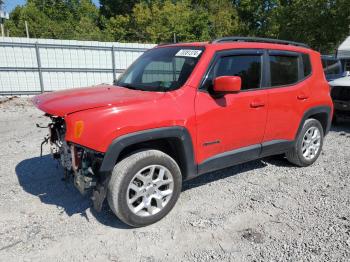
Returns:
<point x="326" y="110"/>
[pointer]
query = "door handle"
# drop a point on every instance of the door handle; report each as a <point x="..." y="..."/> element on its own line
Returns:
<point x="257" y="104"/>
<point x="302" y="97"/>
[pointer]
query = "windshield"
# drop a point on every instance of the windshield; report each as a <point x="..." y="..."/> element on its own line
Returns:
<point x="161" y="69"/>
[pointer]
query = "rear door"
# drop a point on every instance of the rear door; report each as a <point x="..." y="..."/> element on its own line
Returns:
<point x="288" y="94"/>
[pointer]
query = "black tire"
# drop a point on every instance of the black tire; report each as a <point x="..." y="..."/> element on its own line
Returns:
<point x="123" y="173"/>
<point x="295" y="155"/>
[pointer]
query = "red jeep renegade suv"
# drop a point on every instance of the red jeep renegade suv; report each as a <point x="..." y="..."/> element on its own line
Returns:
<point x="183" y="110"/>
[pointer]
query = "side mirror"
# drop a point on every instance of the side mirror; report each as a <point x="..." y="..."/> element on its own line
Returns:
<point x="227" y="84"/>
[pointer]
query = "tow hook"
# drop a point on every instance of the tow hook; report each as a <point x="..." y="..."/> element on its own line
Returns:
<point x="46" y="138"/>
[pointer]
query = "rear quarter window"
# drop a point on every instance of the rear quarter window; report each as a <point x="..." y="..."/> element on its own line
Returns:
<point x="307" y="65"/>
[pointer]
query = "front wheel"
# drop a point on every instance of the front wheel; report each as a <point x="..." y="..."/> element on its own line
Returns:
<point x="144" y="187"/>
<point x="308" y="144"/>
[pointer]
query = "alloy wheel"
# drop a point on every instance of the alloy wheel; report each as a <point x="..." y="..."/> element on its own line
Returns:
<point x="311" y="143"/>
<point x="150" y="190"/>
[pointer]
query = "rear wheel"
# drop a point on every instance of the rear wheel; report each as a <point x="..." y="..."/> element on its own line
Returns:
<point x="308" y="145"/>
<point x="144" y="187"/>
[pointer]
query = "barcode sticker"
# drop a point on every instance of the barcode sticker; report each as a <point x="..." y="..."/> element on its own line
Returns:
<point x="188" y="53"/>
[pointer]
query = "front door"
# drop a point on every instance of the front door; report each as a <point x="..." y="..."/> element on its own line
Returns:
<point x="232" y="124"/>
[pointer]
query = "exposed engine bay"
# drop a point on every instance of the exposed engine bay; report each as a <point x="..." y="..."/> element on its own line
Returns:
<point x="79" y="163"/>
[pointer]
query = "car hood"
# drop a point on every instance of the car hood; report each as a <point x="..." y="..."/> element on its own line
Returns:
<point x="344" y="81"/>
<point x="61" y="103"/>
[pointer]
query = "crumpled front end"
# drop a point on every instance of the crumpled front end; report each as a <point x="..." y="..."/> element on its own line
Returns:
<point x="79" y="163"/>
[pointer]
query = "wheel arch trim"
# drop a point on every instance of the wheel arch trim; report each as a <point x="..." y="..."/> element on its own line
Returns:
<point x="314" y="111"/>
<point x="178" y="132"/>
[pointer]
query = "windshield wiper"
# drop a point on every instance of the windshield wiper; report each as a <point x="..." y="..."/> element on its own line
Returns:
<point x="143" y="88"/>
<point x="129" y="86"/>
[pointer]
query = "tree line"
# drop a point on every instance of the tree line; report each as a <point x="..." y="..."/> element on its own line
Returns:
<point x="323" y="24"/>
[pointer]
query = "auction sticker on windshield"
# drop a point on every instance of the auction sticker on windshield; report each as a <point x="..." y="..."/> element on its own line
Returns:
<point x="188" y="53"/>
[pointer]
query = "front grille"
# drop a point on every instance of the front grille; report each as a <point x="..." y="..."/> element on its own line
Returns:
<point x="341" y="93"/>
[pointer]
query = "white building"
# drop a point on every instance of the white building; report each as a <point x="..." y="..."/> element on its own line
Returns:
<point x="344" y="54"/>
<point x="3" y="16"/>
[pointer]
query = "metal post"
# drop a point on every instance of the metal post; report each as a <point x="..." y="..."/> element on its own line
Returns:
<point x="37" y="52"/>
<point x="2" y="29"/>
<point x="27" y="29"/>
<point x="3" y="16"/>
<point x="113" y="66"/>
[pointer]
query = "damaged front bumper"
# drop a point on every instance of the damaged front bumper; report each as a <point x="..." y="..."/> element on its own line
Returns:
<point x="79" y="163"/>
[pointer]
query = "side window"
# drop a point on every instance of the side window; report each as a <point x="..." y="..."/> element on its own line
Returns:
<point x="284" y="70"/>
<point x="248" y="67"/>
<point x="307" y="65"/>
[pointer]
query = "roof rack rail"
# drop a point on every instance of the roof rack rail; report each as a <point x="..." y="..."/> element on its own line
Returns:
<point x="258" y="39"/>
<point x="166" y="43"/>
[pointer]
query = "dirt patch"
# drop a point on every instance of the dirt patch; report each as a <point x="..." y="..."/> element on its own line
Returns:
<point x="266" y="210"/>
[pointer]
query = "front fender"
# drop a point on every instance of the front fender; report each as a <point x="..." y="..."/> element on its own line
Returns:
<point x="178" y="132"/>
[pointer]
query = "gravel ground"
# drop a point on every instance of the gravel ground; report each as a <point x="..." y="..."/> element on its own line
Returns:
<point x="265" y="210"/>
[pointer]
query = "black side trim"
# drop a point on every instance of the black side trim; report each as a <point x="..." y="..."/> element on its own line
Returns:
<point x="314" y="111"/>
<point x="244" y="154"/>
<point x="275" y="147"/>
<point x="177" y="132"/>
<point x="230" y="158"/>
<point x="276" y="52"/>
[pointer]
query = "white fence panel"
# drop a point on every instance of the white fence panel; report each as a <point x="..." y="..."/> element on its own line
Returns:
<point x="30" y="66"/>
